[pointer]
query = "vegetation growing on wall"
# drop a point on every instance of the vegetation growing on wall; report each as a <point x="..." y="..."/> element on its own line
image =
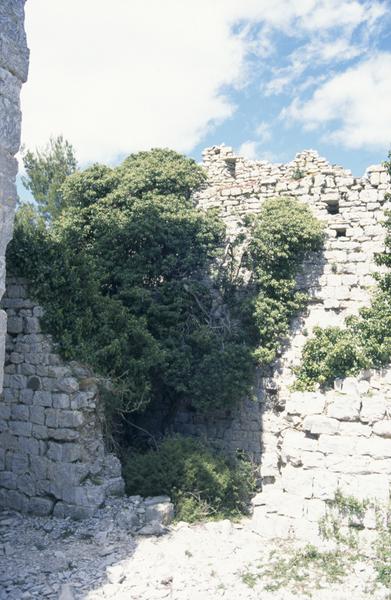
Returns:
<point x="133" y="281"/>
<point x="365" y="341"/>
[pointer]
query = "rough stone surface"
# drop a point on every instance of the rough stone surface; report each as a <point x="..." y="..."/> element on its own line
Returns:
<point x="54" y="457"/>
<point x="57" y="559"/>
<point x="308" y="444"/>
<point x="338" y="280"/>
<point x="13" y="72"/>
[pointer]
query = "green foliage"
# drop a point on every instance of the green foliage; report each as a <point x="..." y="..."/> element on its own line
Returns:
<point x="124" y="276"/>
<point x="364" y="342"/>
<point x="280" y="237"/>
<point x="199" y="481"/>
<point x="46" y="171"/>
<point x="133" y="281"/>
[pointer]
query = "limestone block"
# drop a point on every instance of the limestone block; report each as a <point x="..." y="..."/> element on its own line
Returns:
<point x="296" y="481"/>
<point x="69" y="418"/>
<point x="314" y="509"/>
<point x="62" y="434"/>
<point x="374" y="446"/>
<point x="325" y="484"/>
<point x="42" y="399"/>
<point x="305" y="403"/>
<point x="318" y="424"/>
<point x="40" y="506"/>
<point x="371" y="486"/>
<point x="269" y="464"/>
<point x="383" y="428"/>
<point x="65" y="509"/>
<point x="354" y="429"/>
<point x="17" y="463"/>
<point x="352" y="464"/>
<point x="350" y="386"/>
<point x="20" y="412"/>
<point x="294" y="443"/>
<point x="60" y="400"/>
<point x="306" y="531"/>
<point x="163" y="512"/>
<point x="313" y="460"/>
<point x="28" y="445"/>
<point x="333" y="444"/>
<point x="22" y="428"/>
<point x="26" y="485"/>
<point x="69" y="385"/>
<point x="345" y="408"/>
<point x="373" y="409"/>
<point x="114" y="487"/>
<point x="37" y="415"/>
<point x="271" y="527"/>
<point x="39" y="466"/>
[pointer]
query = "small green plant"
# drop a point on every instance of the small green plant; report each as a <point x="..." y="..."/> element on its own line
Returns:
<point x="334" y="267"/>
<point x="300" y="570"/>
<point x="298" y="174"/>
<point x="383" y="548"/>
<point x="201" y="483"/>
<point x="294" y="571"/>
<point x="249" y="579"/>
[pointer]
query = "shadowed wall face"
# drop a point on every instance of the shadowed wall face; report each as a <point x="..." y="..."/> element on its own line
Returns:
<point x="14" y="56"/>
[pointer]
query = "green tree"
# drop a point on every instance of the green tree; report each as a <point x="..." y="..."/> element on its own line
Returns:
<point x="124" y="273"/>
<point x="46" y="171"/>
<point x="364" y="342"/>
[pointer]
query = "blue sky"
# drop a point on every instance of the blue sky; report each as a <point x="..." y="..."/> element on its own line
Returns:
<point x="268" y="78"/>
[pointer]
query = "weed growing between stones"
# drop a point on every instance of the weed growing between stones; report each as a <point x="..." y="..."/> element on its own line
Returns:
<point x="306" y="569"/>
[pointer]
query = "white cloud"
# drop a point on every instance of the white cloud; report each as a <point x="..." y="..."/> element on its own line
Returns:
<point x="356" y="103"/>
<point x="128" y="75"/>
<point x="249" y="149"/>
<point x="253" y="149"/>
<point x="329" y="31"/>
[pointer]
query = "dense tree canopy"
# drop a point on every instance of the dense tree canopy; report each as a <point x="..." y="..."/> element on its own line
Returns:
<point x="133" y="281"/>
<point x="46" y="171"/>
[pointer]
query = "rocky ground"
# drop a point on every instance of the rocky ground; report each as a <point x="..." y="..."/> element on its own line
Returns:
<point x="43" y="558"/>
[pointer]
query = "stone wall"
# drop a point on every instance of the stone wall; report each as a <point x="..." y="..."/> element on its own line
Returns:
<point x="339" y="280"/>
<point x="13" y="72"/>
<point x="52" y="453"/>
<point x="340" y="440"/>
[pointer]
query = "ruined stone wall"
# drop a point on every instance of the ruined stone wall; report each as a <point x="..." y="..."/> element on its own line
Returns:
<point x="339" y="280"/>
<point x="340" y="440"/>
<point x="13" y="72"/>
<point x="52" y="453"/>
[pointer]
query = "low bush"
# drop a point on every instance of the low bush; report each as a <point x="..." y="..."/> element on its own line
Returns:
<point x="201" y="483"/>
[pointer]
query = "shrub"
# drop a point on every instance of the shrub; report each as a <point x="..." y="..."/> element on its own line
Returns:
<point x="364" y="342"/>
<point x="123" y="274"/>
<point x="133" y="282"/>
<point x="280" y="237"/>
<point x="199" y="481"/>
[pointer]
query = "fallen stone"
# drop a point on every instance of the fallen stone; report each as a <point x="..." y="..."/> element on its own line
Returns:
<point x="115" y="574"/>
<point x="152" y="528"/>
